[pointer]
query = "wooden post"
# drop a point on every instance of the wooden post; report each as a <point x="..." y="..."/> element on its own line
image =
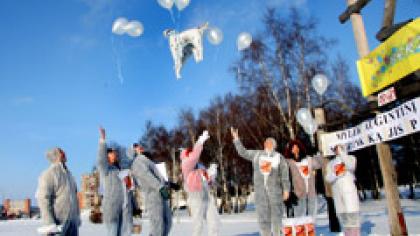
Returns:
<point x="395" y="215"/>
<point x="359" y="32"/>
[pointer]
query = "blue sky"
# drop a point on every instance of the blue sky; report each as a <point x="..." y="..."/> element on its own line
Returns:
<point x="59" y="78"/>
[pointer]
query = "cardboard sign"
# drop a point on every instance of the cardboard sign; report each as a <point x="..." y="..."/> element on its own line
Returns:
<point x="161" y="167"/>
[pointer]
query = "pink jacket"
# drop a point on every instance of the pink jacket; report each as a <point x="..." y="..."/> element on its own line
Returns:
<point x="192" y="176"/>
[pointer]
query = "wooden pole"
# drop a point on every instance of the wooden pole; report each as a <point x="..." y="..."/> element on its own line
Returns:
<point x="395" y="215"/>
<point x="389" y="13"/>
<point x="359" y="32"/>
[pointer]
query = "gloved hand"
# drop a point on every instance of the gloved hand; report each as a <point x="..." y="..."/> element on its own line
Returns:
<point x="50" y="229"/>
<point x="164" y="192"/>
<point x="203" y="137"/>
<point x="174" y="186"/>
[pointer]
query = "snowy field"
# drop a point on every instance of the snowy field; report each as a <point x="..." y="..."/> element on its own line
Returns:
<point x="374" y="222"/>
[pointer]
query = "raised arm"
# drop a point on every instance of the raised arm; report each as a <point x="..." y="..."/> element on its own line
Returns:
<point x="242" y="151"/>
<point x="146" y="175"/>
<point x="44" y="195"/>
<point x="102" y="161"/>
<point x="316" y="161"/>
<point x="189" y="163"/>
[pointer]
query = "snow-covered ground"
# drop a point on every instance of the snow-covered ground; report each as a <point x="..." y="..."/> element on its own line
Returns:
<point x="374" y="220"/>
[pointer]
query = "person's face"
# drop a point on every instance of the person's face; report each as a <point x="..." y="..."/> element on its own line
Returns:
<point x="339" y="150"/>
<point x="112" y="157"/>
<point x="62" y="157"/>
<point x="268" y="145"/>
<point x="138" y="150"/>
<point x="295" y="150"/>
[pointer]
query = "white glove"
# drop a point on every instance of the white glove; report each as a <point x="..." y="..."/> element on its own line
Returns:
<point x="212" y="171"/>
<point x="203" y="138"/>
<point x="49" y="229"/>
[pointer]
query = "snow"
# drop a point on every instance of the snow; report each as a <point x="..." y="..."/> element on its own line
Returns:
<point x="374" y="222"/>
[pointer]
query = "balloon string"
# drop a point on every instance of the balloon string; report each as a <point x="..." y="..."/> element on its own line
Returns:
<point x="178" y="22"/>
<point x="172" y="16"/>
<point x="117" y="61"/>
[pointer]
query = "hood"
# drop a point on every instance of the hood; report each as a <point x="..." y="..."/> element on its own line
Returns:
<point x="125" y="157"/>
<point x="185" y="153"/>
<point x="53" y="154"/>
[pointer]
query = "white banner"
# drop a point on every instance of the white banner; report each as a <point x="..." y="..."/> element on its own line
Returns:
<point x="396" y="123"/>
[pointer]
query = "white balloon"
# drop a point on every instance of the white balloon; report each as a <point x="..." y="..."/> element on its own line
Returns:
<point x="118" y="27"/>
<point x="168" y="4"/>
<point x="304" y="116"/>
<point x="215" y="35"/>
<point x="134" y="28"/>
<point x="244" y="40"/>
<point x="320" y="83"/>
<point x="311" y="127"/>
<point x="181" y="4"/>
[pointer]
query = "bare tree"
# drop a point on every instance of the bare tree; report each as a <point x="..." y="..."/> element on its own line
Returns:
<point x="281" y="61"/>
<point x="187" y="122"/>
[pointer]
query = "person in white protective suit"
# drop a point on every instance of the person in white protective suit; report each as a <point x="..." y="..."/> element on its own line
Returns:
<point x="340" y="173"/>
<point x="118" y="186"/>
<point x="271" y="183"/>
<point x="155" y="190"/>
<point x="197" y="181"/>
<point x="57" y="197"/>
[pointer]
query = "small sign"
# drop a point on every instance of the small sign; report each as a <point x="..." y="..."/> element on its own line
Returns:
<point x="387" y="96"/>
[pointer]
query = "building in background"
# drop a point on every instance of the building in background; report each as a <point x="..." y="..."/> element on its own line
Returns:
<point x="89" y="196"/>
<point x="17" y="208"/>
